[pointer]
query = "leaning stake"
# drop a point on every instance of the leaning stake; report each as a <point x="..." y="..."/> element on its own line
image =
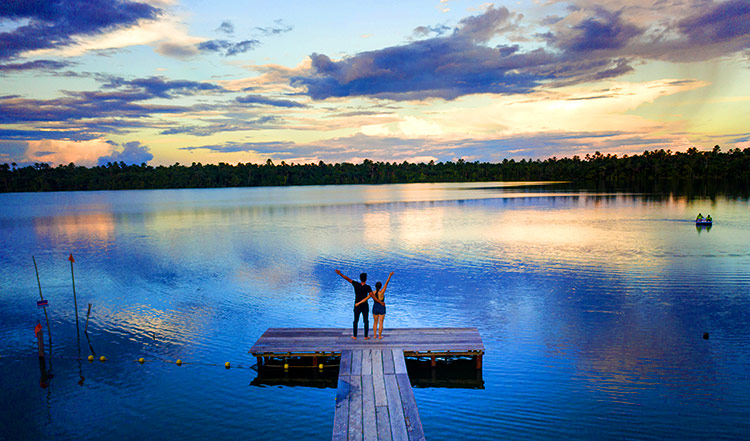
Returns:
<point x="75" y="302"/>
<point x="46" y="317"/>
<point x="86" y="328"/>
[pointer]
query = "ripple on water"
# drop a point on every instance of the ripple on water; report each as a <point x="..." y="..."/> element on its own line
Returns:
<point x="593" y="327"/>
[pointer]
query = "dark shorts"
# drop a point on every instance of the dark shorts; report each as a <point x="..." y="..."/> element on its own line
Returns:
<point x="378" y="309"/>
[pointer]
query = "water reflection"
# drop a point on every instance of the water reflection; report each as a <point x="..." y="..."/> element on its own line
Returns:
<point x="591" y="303"/>
<point x="702" y="228"/>
<point x="96" y="228"/>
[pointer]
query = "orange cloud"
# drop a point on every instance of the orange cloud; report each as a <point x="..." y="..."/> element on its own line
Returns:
<point x="64" y="152"/>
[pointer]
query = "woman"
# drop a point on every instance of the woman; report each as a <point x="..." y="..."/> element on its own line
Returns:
<point x="378" y="307"/>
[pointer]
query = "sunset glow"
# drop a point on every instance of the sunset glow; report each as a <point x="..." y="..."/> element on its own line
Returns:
<point x="162" y="82"/>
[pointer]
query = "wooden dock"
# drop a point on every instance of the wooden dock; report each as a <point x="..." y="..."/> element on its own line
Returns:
<point x="374" y="398"/>
<point x="415" y="342"/>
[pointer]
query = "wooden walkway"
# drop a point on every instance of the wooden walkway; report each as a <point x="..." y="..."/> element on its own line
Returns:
<point x="415" y="342"/>
<point x="374" y="398"/>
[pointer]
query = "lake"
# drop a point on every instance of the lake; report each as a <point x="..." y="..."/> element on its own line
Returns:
<point x="592" y="307"/>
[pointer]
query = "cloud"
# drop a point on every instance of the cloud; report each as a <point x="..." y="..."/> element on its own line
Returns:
<point x="132" y="153"/>
<point x="236" y="126"/>
<point x="273" y="78"/>
<point x="227" y="47"/>
<point x="168" y="34"/>
<point x="590" y="44"/>
<point x="440" y="67"/>
<point x="434" y="68"/>
<point x="12" y="134"/>
<point x="259" y="99"/>
<point x="426" y="31"/>
<point x="49" y="24"/>
<point x="120" y="98"/>
<point x="177" y="50"/>
<point x="232" y="147"/>
<point x="226" y="27"/>
<point x="162" y="87"/>
<point x="605" y="30"/>
<point x="49" y="65"/>
<point x="12" y="151"/>
<point x="354" y="148"/>
<point x="724" y="21"/>
<point x="79" y="105"/>
<point x="64" y="152"/>
<point x="280" y="28"/>
<point x="481" y="28"/>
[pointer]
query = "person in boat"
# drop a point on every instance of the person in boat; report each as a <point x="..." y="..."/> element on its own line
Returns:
<point x="708" y="218"/>
<point x="699" y="218"/>
<point x="361" y="293"/>
<point x="378" y="307"/>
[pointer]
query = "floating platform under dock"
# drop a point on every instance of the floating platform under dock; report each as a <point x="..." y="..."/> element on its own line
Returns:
<point x="374" y="398"/>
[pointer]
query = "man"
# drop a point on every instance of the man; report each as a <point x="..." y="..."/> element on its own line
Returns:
<point x="361" y="291"/>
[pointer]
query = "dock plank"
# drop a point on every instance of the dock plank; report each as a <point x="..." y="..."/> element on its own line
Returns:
<point x="345" y="366"/>
<point x="355" y="409"/>
<point x="357" y="362"/>
<point x="377" y="360"/>
<point x="395" y="409"/>
<point x="369" y="422"/>
<point x="297" y="340"/>
<point x="378" y="379"/>
<point x="409" y="403"/>
<point x="388" y="362"/>
<point x="399" y="363"/>
<point x="367" y="362"/>
<point x="341" y="415"/>
<point x="384" y="423"/>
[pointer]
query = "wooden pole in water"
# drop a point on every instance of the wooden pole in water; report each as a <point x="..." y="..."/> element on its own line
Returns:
<point x="75" y="301"/>
<point x="46" y="317"/>
<point x="86" y="328"/>
<point x="39" y="338"/>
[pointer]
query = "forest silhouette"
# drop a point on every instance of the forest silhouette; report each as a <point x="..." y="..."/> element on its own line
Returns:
<point x="647" y="169"/>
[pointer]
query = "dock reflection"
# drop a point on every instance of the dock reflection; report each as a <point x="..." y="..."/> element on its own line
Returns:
<point x="454" y="373"/>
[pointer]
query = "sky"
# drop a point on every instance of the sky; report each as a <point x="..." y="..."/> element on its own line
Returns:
<point x="176" y="81"/>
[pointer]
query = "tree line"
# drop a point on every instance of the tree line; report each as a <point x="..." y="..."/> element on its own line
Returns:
<point x="649" y="168"/>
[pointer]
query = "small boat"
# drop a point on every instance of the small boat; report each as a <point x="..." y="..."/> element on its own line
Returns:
<point x="704" y="222"/>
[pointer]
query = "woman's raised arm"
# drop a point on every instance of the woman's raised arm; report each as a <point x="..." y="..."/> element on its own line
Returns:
<point x="386" y="282"/>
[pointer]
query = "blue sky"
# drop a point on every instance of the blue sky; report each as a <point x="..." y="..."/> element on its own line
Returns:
<point x="165" y="81"/>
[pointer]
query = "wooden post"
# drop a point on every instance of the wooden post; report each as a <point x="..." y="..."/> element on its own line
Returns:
<point x="75" y="301"/>
<point x="479" y="361"/>
<point x="43" y="374"/>
<point x="86" y="328"/>
<point x="41" y="297"/>
<point x="39" y="338"/>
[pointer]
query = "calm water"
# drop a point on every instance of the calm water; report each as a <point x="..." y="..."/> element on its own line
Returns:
<point x="592" y="308"/>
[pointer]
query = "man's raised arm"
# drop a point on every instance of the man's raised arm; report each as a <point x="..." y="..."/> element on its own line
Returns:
<point x="345" y="278"/>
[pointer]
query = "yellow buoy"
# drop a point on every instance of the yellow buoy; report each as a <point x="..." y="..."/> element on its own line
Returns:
<point x="286" y="366"/>
<point x="141" y="360"/>
<point x="102" y="358"/>
<point x="226" y="365"/>
<point x="179" y="362"/>
<point x="91" y="358"/>
<point x="320" y="366"/>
